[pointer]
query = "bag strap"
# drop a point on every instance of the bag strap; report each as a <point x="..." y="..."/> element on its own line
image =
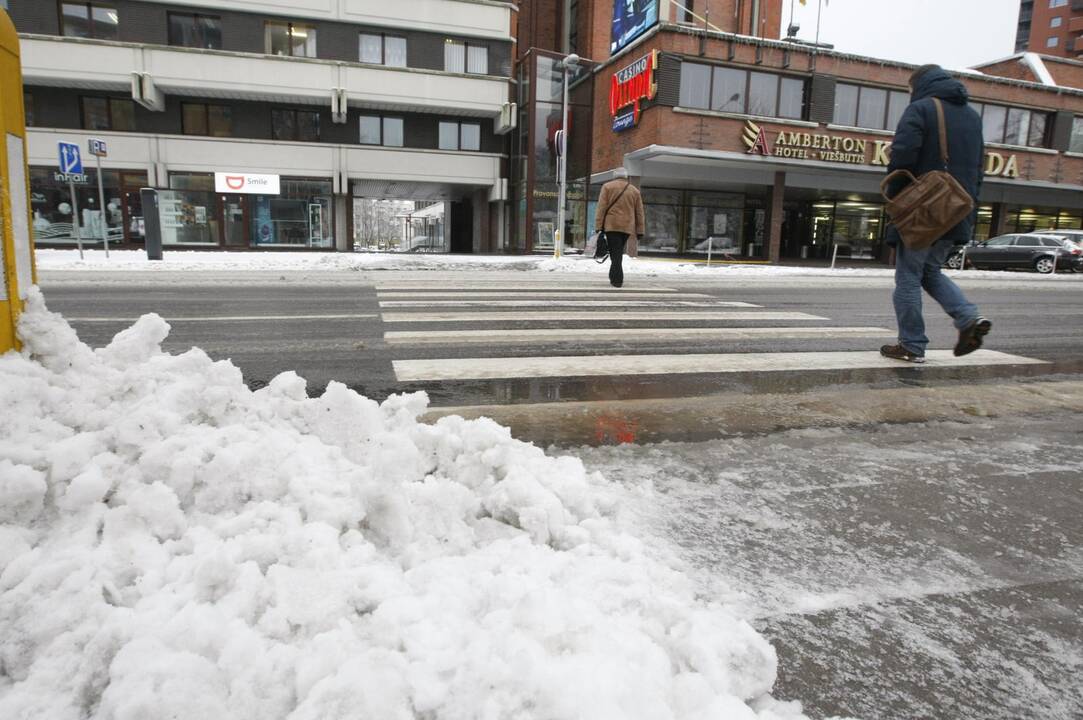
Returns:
<point x="605" y="215"/>
<point x="943" y="131"/>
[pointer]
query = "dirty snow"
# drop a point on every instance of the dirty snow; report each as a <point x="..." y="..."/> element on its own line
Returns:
<point x="174" y="545"/>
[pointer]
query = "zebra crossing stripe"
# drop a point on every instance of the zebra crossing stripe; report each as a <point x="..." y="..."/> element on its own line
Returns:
<point x="579" y="335"/>
<point x="603" y="295"/>
<point x="618" y="365"/>
<point x="565" y="302"/>
<point x="753" y="315"/>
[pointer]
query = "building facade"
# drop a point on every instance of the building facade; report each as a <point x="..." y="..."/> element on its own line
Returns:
<point x="755" y="148"/>
<point x="341" y="101"/>
<point x="1050" y="27"/>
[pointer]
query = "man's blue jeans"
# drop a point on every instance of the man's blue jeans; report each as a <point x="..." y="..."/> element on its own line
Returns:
<point x="918" y="269"/>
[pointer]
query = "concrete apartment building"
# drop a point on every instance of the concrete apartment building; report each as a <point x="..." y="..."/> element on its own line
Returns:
<point x="336" y="100"/>
<point x="759" y="147"/>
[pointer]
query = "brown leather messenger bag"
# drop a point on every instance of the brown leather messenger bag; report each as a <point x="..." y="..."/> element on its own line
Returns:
<point x="929" y="205"/>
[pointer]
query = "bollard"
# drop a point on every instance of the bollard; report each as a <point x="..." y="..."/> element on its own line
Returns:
<point x="834" y="255"/>
<point x="152" y="224"/>
<point x="710" y="244"/>
<point x="16" y="245"/>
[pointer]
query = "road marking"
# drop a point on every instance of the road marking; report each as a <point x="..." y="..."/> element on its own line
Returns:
<point x="539" y="294"/>
<point x="526" y="284"/>
<point x="462" y="337"/>
<point x="569" y="302"/>
<point x="576" y="315"/>
<point x="230" y="318"/>
<point x="589" y="365"/>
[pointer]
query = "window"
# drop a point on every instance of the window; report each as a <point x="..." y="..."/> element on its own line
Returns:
<point x="763" y="94"/>
<point x="728" y="90"/>
<point x="201" y="119"/>
<point x="687" y="15"/>
<point x="1057" y="3"/>
<point x="846" y="104"/>
<point x="869" y="107"/>
<point x="896" y="105"/>
<point x="1056" y="22"/>
<point x="695" y="85"/>
<point x="89" y="20"/>
<point x="386" y="131"/>
<point x="28" y="108"/>
<point x="872" y="108"/>
<point x="1014" y="126"/>
<point x="290" y="39"/>
<point x="383" y="50"/>
<point x="301" y="125"/>
<point x="460" y="136"/>
<point x="1001" y="241"/>
<point x="791" y="99"/>
<point x="740" y="91"/>
<point x="477" y="59"/>
<point x="1052" y="42"/>
<point x="459" y="57"/>
<point x="1076" y="144"/>
<point x="195" y="31"/>
<point x="108" y="114"/>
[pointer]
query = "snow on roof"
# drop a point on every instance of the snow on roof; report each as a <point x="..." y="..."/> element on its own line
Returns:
<point x="1037" y="66"/>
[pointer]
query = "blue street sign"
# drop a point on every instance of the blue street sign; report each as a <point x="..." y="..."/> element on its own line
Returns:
<point x="70" y="159"/>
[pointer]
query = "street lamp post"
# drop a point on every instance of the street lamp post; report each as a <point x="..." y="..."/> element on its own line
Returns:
<point x="570" y="62"/>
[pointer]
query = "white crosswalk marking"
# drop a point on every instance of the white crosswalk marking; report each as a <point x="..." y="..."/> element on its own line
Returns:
<point x="579" y="335"/>
<point x="698" y="320"/>
<point x="491" y="294"/>
<point x="595" y="316"/>
<point x="565" y="302"/>
<point x="586" y="366"/>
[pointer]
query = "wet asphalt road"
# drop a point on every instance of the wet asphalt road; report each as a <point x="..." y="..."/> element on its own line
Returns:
<point x="1030" y="319"/>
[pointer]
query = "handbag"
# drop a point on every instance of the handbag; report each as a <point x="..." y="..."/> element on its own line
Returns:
<point x="931" y="204"/>
<point x="601" y="250"/>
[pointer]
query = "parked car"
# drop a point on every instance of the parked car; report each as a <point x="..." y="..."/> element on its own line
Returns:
<point x="1073" y="236"/>
<point x="1025" y="251"/>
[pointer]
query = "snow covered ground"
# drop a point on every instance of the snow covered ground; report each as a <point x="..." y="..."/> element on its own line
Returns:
<point x="175" y="545"/>
<point x="196" y="261"/>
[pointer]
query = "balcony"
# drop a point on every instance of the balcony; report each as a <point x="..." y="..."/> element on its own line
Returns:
<point x="91" y="64"/>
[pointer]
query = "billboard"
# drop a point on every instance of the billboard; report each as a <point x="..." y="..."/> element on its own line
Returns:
<point x="631" y="18"/>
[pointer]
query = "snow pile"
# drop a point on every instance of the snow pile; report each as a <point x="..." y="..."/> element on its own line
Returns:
<point x="174" y="545"/>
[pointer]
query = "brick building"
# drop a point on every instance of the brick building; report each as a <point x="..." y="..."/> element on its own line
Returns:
<point x="762" y="148"/>
<point x="1050" y="27"/>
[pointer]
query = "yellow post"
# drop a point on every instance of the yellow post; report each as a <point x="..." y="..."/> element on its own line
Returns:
<point x="16" y="246"/>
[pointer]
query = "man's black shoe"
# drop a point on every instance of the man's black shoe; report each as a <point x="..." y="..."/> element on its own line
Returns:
<point x="970" y="337"/>
<point x="898" y="352"/>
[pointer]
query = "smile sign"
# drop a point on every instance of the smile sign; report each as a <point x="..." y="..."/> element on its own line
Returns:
<point x="246" y="183"/>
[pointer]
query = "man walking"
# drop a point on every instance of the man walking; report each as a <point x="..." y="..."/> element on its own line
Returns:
<point x="619" y="214"/>
<point x="917" y="148"/>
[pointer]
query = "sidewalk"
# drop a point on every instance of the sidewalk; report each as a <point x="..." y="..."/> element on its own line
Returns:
<point x="204" y="261"/>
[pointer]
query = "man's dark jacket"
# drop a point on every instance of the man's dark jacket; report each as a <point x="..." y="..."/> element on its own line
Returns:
<point x="917" y="142"/>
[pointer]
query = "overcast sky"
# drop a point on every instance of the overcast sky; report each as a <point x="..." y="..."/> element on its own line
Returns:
<point x="952" y="33"/>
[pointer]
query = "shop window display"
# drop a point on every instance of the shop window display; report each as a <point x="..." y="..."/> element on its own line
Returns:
<point x="299" y="217"/>
<point x="52" y="208"/>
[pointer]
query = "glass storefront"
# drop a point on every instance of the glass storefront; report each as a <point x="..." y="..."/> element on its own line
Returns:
<point x="299" y="217"/>
<point x="684" y="222"/>
<point x="535" y="167"/>
<point x="1029" y="219"/>
<point x="193" y="215"/>
<point x="51" y="205"/>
